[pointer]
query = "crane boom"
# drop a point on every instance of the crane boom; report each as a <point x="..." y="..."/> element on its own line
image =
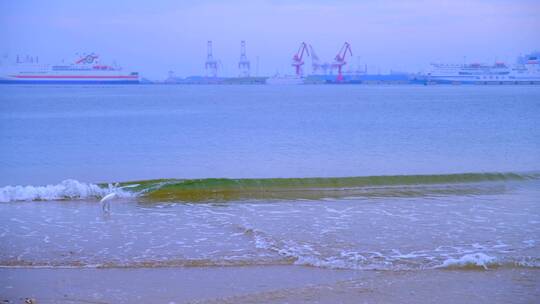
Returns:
<point x="298" y="59"/>
<point x="345" y="49"/>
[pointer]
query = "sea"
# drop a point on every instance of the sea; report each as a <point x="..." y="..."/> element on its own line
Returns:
<point x="357" y="179"/>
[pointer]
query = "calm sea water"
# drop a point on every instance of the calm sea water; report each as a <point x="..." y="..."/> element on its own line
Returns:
<point x="116" y="133"/>
<point x="418" y="224"/>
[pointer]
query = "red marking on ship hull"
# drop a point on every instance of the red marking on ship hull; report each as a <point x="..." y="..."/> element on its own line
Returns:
<point x="72" y="77"/>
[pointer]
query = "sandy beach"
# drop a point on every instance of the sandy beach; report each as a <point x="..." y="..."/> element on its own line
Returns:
<point x="270" y="284"/>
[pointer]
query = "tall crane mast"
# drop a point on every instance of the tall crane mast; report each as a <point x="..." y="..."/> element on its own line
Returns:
<point x="339" y="60"/>
<point x="298" y="59"/>
<point x="244" y="64"/>
<point x="211" y="64"/>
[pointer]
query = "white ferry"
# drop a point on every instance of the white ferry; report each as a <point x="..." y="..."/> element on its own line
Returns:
<point x="525" y="72"/>
<point x="85" y="70"/>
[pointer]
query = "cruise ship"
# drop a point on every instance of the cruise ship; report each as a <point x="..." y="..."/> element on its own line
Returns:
<point x="85" y="69"/>
<point x="526" y="71"/>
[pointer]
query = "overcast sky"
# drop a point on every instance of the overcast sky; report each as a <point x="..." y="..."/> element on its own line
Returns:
<point x="153" y="37"/>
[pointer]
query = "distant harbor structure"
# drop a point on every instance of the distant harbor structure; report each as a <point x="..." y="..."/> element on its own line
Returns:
<point x="297" y="63"/>
<point x="243" y="64"/>
<point x="212" y="67"/>
<point x="88" y="69"/>
<point x="333" y="72"/>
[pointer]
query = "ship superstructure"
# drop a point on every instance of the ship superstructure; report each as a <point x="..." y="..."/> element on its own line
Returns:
<point x="84" y="70"/>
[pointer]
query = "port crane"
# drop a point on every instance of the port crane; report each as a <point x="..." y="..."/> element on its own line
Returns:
<point x="316" y="64"/>
<point x="244" y="64"/>
<point x="211" y="64"/>
<point x="298" y="59"/>
<point x="339" y="60"/>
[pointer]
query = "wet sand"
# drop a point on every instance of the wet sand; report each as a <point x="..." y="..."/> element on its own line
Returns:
<point x="267" y="284"/>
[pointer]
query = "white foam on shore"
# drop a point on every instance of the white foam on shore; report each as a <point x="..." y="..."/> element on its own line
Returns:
<point x="473" y="260"/>
<point x="67" y="189"/>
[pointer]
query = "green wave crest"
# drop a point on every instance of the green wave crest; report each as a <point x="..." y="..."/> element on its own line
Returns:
<point x="224" y="189"/>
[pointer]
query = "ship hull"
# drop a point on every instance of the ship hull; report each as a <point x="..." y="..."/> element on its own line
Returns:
<point x="456" y="80"/>
<point x="69" y="79"/>
<point x="73" y="82"/>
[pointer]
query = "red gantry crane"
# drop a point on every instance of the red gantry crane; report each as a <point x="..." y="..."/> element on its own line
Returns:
<point x="339" y="60"/>
<point x="298" y="59"/>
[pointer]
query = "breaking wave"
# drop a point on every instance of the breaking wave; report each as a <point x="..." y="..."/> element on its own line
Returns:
<point x="67" y="190"/>
<point x="482" y="261"/>
<point x="316" y="188"/>
<point x="222" y="189"/>
<point x="470" y="261"/>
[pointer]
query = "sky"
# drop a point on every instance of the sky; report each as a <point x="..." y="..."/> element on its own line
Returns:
<point x="154" y="37"/>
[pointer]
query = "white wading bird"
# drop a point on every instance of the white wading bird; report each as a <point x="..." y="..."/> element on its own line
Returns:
<point x="106" y="202"/>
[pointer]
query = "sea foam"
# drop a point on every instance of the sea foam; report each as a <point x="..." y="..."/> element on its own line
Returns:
<point x="473" y="261"/>
<point x="67" y="189"/>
